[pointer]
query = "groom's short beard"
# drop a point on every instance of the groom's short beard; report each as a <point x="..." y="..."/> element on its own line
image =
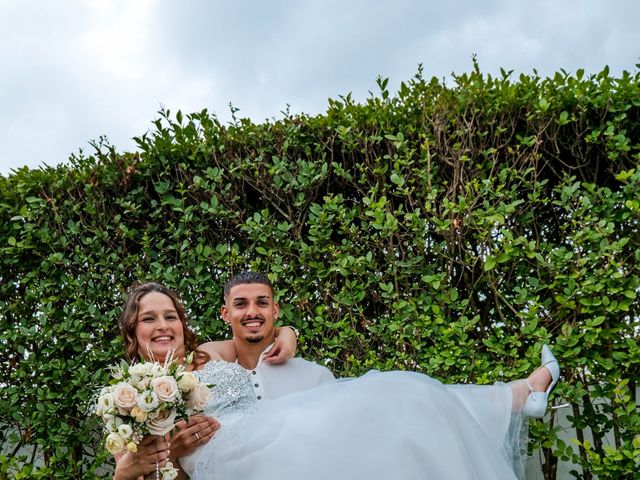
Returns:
<point x="255" y="339"/>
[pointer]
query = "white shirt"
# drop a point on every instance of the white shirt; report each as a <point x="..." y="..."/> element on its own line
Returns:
<point x="273" y="381"/>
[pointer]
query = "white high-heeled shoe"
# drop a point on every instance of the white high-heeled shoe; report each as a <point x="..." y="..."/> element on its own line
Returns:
<point x="536" y="404"/>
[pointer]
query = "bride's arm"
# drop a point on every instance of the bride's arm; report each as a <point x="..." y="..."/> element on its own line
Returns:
<point x="283" y="348"/>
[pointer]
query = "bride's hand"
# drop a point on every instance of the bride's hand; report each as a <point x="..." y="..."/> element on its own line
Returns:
<point x="187" y="436"/>
<point x="151" y="450"/>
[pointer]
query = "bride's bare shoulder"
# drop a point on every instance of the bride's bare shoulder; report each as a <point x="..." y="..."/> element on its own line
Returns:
<point x="220" y="350"/>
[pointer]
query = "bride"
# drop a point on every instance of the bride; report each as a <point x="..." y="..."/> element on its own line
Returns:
<point x="399" y="425"/>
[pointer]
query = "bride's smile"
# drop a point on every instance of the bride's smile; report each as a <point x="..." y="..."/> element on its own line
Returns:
<point x="159" y="328"/>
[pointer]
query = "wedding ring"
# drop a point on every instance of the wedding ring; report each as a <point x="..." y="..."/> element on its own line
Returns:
<point x="197" y="436"/>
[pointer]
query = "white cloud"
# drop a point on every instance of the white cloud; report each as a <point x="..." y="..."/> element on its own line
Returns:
<point x="75" y="70"/>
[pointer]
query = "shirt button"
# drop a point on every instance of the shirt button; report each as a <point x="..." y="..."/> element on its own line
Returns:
<point x="254" y="372"/>
<point x="259" y="397"/>
<point x="256" y="385"/>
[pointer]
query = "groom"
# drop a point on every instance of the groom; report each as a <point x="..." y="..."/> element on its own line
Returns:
<point x="251" y="311"/>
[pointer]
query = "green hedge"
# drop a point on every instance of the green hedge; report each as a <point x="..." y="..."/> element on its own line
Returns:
<point x="449" y="228"/>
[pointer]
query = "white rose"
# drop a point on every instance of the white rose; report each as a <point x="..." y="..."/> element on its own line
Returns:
<point x="168" y="472"/>
<point x="125" y="431"/>
<point x="112" y="423"/>
<point x="165" y="388"/>
<point x="147" y="401"/>
<point x="143" y="383"/>
<point x="138" y="414"/>
<point x="153" y="369"/>
<point x="109" y="424"/>
<point x="125" y="396"/>
<point x="114" y="443"/>
<point x="199" y="397"/>
<point x="137" y="370"/>
<point x="163" y="423"/>
<point x="187" y="382"/>
<point x="105" y="401"/>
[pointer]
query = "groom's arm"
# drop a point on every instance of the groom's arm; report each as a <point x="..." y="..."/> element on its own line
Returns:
<point x="284" y="347"/>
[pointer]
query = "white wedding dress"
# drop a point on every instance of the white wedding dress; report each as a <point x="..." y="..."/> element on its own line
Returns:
<point x="386" y="426"/>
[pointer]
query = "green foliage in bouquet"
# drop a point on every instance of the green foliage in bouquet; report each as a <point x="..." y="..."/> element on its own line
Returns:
<point x="449" y="228"/>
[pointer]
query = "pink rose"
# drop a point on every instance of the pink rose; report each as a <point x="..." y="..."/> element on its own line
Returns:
<point x="163" y="422"/>
<point x="199" y="397"/>
<point x="125" y="396"/>
<point x="165" y="388"/>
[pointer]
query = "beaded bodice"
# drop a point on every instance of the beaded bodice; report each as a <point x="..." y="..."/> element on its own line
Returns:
<point x="231" y="388"/>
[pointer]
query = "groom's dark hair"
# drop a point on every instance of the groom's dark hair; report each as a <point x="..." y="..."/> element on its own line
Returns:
<point x="244" y="278"/>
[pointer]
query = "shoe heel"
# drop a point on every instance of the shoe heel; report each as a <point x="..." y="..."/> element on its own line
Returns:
<point x="536" y="405"/>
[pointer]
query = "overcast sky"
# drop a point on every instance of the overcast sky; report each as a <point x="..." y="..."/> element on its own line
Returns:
<point x="73" y="70"/>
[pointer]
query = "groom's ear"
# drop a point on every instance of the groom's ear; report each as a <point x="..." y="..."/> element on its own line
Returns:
<point x="224" y="312"/>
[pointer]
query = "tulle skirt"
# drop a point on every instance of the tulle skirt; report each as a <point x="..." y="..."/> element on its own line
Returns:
<point x="391" y="426"/>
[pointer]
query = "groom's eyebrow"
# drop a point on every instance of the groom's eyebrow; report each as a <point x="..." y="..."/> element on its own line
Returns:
<point x="244" y="299"/>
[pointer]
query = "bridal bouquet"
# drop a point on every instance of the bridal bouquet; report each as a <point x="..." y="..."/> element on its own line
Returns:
<point x="147" y="398"/>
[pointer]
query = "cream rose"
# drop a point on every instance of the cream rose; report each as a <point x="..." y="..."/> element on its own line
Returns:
<point x="165" y="388"/>
<point x="125" y="397"/>
<point x="163" y="423"/>
<point x="138" y="414"/>
<point x="187" y="382"/>
<point x="114" y="443"/>
<point x="199" y="397"/>
<point x="132" y="447"/>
